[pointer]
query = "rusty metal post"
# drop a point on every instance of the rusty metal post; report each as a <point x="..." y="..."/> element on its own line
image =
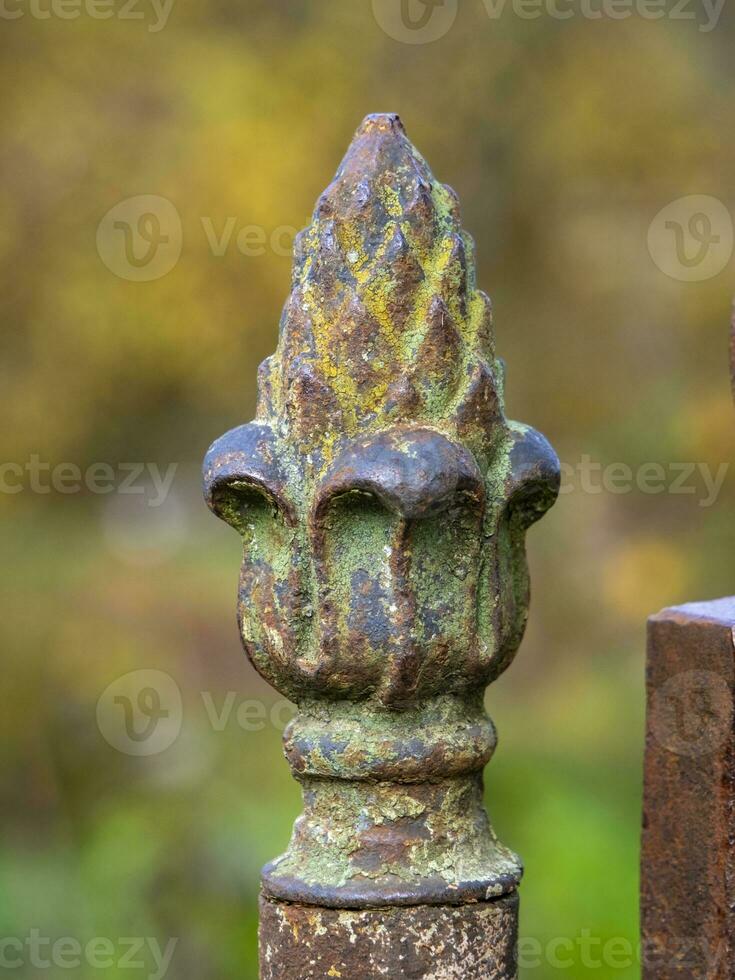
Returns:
<point x="383" y="499"/>
<point x="688" y="853"/>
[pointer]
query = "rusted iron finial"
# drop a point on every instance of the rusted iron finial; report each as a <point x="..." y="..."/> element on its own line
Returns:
<point x="383" y="498"/>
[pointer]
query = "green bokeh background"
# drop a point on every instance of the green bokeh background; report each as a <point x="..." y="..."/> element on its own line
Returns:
<point x="563" y="139"/>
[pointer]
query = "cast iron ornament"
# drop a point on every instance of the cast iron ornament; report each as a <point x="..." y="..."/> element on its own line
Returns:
<point x="383" y="500"/>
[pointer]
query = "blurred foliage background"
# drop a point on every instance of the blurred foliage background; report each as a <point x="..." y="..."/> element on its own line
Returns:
<point x="563" y="139"/>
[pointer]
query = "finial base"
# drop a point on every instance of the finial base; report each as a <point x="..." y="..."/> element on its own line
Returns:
<point x="366" y="845"/>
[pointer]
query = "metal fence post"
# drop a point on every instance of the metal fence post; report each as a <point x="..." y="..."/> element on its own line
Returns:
<point x="688" y="854"/>
<point x="383" y="499"/>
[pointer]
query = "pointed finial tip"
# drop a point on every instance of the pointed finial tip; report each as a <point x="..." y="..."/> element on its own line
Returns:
<point x="382" y="122"/>
<point x="380" y="146"/>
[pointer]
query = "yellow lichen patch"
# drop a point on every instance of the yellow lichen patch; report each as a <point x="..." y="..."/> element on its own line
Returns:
<point x="444" y="203"/>
<point x="327" y="448"/>
<point x="433" y="285"/>
<point x="333" y="972"/>
<point x="475" y="318"/>
<point x="351" y="243"/>
<point x="334" y="370"/>
<point x="436" y="268"/>
<point x="308" y="243"/>
<point x="376" y="294"/>
<point x="376" y="397"/>
<point x="391" y="201"/>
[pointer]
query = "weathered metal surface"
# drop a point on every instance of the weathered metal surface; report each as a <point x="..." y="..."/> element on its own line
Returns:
<point x="383" y="499"/>
<point x="471" y="942"/>
<point x="688" y="854"/>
